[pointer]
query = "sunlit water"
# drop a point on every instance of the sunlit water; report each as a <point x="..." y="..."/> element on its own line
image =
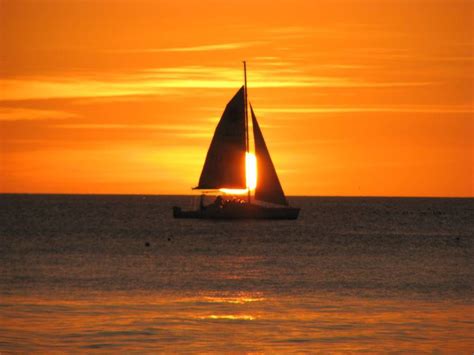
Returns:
<point x="352" y="274"/>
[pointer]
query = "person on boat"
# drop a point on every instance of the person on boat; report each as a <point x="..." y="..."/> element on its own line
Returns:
<point x="237" y="200"/>
<point x="219" y="201"/>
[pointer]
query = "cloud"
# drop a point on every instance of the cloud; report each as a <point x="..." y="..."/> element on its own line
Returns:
<point x="184" y="131"/>
<point x="395" y="109"/>
<point x="162" y="127"/>
<point x="160" y="81"/>
<point x="201" y="48"/>
<point x="28" y="89"/>
<point x="25" y="114"/>
<point x="298" y="32"/>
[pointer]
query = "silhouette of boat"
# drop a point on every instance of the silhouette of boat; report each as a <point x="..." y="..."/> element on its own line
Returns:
<point x="225" y="168"/>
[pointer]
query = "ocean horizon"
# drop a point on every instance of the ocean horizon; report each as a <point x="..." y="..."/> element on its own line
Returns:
<point x="216" y="193"/>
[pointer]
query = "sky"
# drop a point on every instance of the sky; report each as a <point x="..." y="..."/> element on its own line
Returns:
<point x="354" y="98"/>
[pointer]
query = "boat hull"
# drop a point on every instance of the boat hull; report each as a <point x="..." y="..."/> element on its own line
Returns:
<point x="239" y="211"/>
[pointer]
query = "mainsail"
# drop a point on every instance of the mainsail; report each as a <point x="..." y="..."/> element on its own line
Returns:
<point x="225" y="161"/>
<point x="268" y="185"/>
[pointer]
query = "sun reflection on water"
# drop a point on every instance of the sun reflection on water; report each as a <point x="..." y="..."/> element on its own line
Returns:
<point x="232" y="322"/>
<point x="235" y="300"/>
<point x="230" y="317"/>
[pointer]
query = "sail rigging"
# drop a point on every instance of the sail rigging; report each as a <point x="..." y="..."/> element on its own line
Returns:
<point x="268" y="185"/>
<point x="225" y="161"/>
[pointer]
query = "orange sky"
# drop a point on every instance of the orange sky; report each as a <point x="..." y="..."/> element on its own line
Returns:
<point x="354" y="97"/>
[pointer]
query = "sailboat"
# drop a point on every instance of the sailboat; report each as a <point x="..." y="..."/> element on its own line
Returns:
<point x="227" y="166"/>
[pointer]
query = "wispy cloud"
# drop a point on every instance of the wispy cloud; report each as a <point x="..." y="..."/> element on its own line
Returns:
<point x="297" y="32"/>
<point x="161" y="127"/>
<point x="200" y="48"/>
<point x="65" y="87"/>
<point x="392" y="109"/>
<point x="26" y="114"/>
<point x="158" y="81"/>
<point x="183" y="131"/>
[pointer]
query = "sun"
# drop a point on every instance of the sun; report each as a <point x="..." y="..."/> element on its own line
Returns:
<point x="250" y="176"/>
<point x="251" y="170"/>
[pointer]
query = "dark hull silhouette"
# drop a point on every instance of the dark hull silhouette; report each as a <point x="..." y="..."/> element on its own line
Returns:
<point x="238" y="211"/>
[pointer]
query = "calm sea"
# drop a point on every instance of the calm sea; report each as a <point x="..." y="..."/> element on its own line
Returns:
<point x="119" y="274"/>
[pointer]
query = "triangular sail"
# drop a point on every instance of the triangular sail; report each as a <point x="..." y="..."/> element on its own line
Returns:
<point x="268" y="185"/>
<point x="225" y="161"/>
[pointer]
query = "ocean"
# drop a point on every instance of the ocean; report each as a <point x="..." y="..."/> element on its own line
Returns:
<point x="84" y="273"/>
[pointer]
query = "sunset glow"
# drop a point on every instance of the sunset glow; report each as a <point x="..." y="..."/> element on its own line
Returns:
<point x="251" y="170"/>
<point x="234" y="191"/>
<point x="250" y="174"/>
<point x="355" y="97"/>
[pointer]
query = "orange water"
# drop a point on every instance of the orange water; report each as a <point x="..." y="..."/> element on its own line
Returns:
<point x="352" y="274"/>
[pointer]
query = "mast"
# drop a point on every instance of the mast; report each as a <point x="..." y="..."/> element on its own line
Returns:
<point x="247" y="145"/>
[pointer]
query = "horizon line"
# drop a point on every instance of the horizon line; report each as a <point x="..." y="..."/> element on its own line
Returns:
<point x="185" y="195"/>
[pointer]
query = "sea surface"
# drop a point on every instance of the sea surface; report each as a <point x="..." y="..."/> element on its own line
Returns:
<point x="119" y="274"/>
